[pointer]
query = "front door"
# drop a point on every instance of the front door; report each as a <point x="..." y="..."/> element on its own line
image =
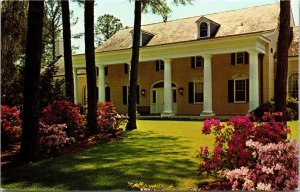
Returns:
<point x="157" y="100"/>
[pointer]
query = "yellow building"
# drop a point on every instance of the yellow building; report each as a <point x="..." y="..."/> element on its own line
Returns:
<point x="216" y="64"/>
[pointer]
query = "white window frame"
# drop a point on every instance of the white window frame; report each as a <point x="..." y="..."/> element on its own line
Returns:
<point x="236" y="58"/>
<point x="288" y="83"/>
<point x="201" y="60"/>
<point x="194" y="93"/>
<point x="234" y="89"/>
<point x="207" y="30"/>
<point x="161" y="65"/>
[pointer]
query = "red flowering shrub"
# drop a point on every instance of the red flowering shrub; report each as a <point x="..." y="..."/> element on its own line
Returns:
<point x="53" y="138"/>
<point x="276" y="168"/>
<point x="63" y="112"/>
<point x="230" y="149"/>
<point x="107" y="117"/>
<point x="10" y="125"/>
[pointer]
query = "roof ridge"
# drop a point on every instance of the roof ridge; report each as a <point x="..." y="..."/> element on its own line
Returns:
<point x="203" y="15"/>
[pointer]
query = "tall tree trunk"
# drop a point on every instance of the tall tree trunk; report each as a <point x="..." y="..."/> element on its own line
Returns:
<point x="90" y="65"/>
<point x="30" y="131"/>
<point x="132" y="99"/>
<point x="282" y="56"/>
<point x="67" y="50"/>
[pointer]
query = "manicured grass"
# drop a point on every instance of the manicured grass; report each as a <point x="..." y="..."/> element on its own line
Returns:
<point x="159" y="152"/>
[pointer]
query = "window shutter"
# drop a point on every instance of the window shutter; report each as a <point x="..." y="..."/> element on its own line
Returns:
<point x="230" y="91"/>
<point x="106" y="70"/>
<point x="232" y="58"/>
<point x="125" y="68"/>
<point x="124" y="95"/>
<point x="137" y="94"/>
<point x="193" y="62"/>
<point x="191" y="92"/>
<point x="246" y="57"/>
<point x="107" y="94"/>
<point x="157" y="65"/>
<point x="247" y="90"/>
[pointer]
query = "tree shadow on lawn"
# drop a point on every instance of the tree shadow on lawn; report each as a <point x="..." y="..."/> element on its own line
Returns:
<point x="143" y="156"/>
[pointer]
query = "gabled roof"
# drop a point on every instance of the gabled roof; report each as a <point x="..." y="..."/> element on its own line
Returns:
<point x="294" y="47"/>
<point x="242" y="21"/>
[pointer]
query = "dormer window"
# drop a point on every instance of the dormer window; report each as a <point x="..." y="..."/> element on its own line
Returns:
<point x="203" y="30"/>
<point x="145" y="37"/>
<point x="206" y="28"/>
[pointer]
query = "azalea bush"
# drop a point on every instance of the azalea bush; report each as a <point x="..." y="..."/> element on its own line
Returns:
<point x="230" y="141"/>
<point x="63" y="112"/>
<point x="291" y="109"/>
<point x="108" y="118"/>
<point x="231" y="150"/>
<point x="276" y="168"/>
<point x="53" y="138"/>
<point x="10" y="125"/>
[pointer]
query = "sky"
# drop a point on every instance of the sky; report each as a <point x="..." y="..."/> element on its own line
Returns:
<point x="124" y="10"/>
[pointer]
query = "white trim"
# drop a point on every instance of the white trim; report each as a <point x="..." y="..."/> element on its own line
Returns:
<point x="195" y="62"/>
<point x="194" y="93"/>
<point x="234" y="90"/>
<point x="199" y="29"/>
<point x="220" y="45"/>
<point x="240" y="77"/>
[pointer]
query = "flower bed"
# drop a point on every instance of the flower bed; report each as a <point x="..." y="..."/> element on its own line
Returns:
<point x="234" y="152"/>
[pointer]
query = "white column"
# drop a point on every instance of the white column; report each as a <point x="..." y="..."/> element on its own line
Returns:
<point x="101" y="83"/>
<point x="75" y="84"/>
<point x="168" y="99"/>
<point x="207" y="87"/>
<point x="253" y="80"/>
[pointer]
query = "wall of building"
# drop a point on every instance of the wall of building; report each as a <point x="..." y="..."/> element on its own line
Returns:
<point x="182" y="73"/>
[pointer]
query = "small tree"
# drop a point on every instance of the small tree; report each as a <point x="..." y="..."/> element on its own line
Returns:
<point x="106" y="26"/>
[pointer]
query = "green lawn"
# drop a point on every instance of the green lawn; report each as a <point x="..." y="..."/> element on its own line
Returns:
<point x="159" y="152"/>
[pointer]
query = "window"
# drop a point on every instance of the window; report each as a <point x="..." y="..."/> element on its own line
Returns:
<point x="239" y="58"/>
<point x="293" y="85"/>
<point x="198" y="97"/>
<point x="160" y="65"/>
<point x="197" y="62"/>
<point x="125" y="91"/>
<point x="145" y="37"/>
<point x="238" y="90"/>
<point x="154" y="96"/>
<point x="203" y="30"/>
<point x="196" y="92"/>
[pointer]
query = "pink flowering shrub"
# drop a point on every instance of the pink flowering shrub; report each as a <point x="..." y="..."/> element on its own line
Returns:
<point x="53" y="138"/>
<point x="230" y="149"/>
<point x="275" y="168"/>
<point x="10" y="125"/>
<point x="63" y="112"/>
<point x="107" y="117"/>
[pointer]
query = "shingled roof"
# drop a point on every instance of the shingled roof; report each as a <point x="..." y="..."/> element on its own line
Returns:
<point x="242" y="21"/>
<point x="294" y="47"/>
